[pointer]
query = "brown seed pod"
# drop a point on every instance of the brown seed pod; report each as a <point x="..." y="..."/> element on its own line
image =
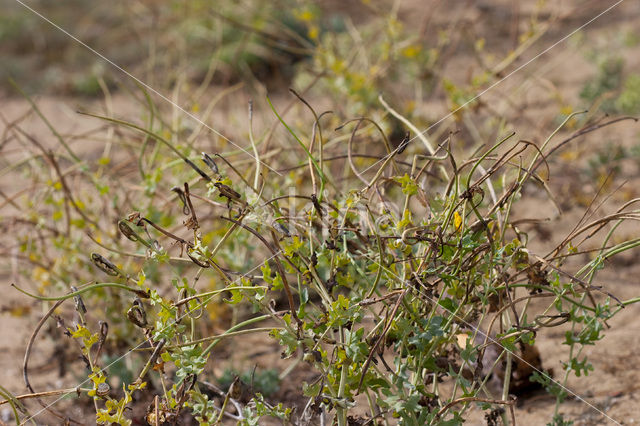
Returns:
<point x="105" y="265"/>
<point x="103" y="389"/>
<point x="127" y="231"/>
<point x="137" y="314"/>
<point x="209" y="162"/>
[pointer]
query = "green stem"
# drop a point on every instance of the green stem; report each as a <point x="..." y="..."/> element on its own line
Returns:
<point x="219" y="337"/>
<point x="341" y="413"/>
<point x="222" y="290"/>
<point x="315" y="163"/>
<point x="49" y="125"/>
<point x="79" y="292"/>
<point x="233" y="329"/>
<point x="141" y="129"/>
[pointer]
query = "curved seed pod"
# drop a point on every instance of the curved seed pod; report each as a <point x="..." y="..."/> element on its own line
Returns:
<point x="196" y="261"/>
<point x="132" y="235"/>
<point x="156" y="245"/>
<point x="104" y="330"/>
<point x="103" y="389"/>
<point x="183" y="198"/>
<point x="405" y="142"/>
<point x="136" y="314"/>
<point x="185" y="387"/>
<point x="105" y="265"/>
<point x="317" y="205"/>
<point x="228" y="192"/>
<point x="78" y="301"/>
<point x="209" y="162"/>
<point x="552" y="320"/>
<point x="235" y="390"/>
<point x="126" y="230"/>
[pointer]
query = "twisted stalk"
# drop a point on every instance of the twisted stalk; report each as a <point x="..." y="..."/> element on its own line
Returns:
<point x="25" y="364"/>
<point x="281" y="271"/>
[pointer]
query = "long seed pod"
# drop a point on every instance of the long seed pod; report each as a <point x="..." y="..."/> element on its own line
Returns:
<point x="105" y="265"/>
<point x="79" y="303"/>
<point x="126" y="230"/>
<point x="209" y="162"/>
<point x="316" y="204"/>
<point x="228" y="192"/>
<point x="405" y="142"/>
<point x="197" y="169"/>
<point x="137" y="314"/>
<point x="132" y="235"/>
<point x="185" y="206"/>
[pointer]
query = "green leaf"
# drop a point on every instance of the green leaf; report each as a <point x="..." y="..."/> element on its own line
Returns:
<point x="409" y="186"/>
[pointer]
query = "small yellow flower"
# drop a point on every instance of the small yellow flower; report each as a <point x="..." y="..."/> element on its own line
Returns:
<point x="314" y="31"/>
<point x="566" y="110"/>
<point x="306" y="16"/>
<point x="457" y="220"/>
<point x="411" y="51"/>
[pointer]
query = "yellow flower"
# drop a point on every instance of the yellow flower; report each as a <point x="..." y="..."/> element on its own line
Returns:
<point x="314" y="31"/>
<point x="566" y="110"/>
<point x="411" y="51"/>
<point x="457" y="220"/>
<point x="305" y="16"/>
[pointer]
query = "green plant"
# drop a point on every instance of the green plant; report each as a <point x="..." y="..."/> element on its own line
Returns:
<point x="629" y="100"/>
<point x="610" y="91"/>
<point x="606" y="162"/>
<point x="349" y="276"/>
